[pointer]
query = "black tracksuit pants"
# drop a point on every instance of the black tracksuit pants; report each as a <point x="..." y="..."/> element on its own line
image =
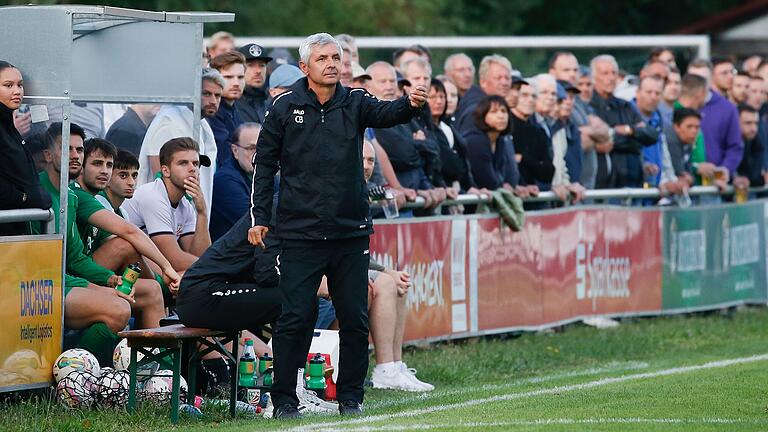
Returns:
<point x="302" y="266"/>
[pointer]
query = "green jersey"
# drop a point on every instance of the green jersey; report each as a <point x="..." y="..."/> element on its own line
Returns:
<point x="93" y="237"/>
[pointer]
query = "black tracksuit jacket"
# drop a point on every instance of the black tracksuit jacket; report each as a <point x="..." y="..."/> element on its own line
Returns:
<point x="318" y="150"/>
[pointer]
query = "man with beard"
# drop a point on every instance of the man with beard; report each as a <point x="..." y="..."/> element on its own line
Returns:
<point x="175" y="121"/>
<point x="253" y="104"/>
<point x="178" y="226"/>
<point x="231" y="66"/>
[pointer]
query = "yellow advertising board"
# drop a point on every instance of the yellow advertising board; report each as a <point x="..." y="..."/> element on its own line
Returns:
<point x="30" y="312"/>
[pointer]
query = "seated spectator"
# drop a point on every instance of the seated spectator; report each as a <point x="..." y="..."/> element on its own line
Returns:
<point x="175" y="122"/>
<point x="253" y="104"/>
<point x="127" y="133"/>
<point x="177" y="225"/>
<point x="488" y="143"/>
<point x="231" y="66"/>
<point x="122" y="184"/>
<point x="532" y="150"/>
<point x="719" y="118"/>
<point x="460" y="69"/>
<point x="495" y="78"/>
<point x="19" y="185"/>
<point x="630" y="133"/>
<point x="750" y="171"/>
<point x="453" y="148"/>
<point x="400" y="142"/>
<point x="232" y="183"/>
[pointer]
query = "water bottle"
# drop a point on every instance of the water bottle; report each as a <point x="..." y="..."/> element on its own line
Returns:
<point x="265" y="369"/>
<point x="316" y="381"/>
<point x="247" y="365"/>
<point x="130" y="276"/>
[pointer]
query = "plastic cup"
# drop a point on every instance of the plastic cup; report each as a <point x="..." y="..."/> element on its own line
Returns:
<point x="390" y="208"/>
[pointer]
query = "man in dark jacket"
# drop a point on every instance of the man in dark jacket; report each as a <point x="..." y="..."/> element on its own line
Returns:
<point x="313" y="134"/>
<point x="231" y="65"/>
<point x="253" y="104"/>
<point x="622" y="167"/>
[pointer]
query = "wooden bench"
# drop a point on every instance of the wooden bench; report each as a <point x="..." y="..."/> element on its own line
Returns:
<point x="171" y="342"/>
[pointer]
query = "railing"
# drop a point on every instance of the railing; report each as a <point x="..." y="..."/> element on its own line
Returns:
<point x="29" y="215"/>
<point x="626" y="196"/>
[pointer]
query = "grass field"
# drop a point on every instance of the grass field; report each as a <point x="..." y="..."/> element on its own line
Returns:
<point x="680" y="373"/>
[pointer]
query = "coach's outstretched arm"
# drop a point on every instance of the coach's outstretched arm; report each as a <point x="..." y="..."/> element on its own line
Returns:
<point x="384" y="114"/>
<point x="266" y="163"/>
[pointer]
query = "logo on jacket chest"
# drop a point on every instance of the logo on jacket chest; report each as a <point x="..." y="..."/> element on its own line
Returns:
<point x="298" y="116"/>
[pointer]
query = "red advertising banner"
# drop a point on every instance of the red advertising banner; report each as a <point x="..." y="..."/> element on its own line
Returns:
<point x="475" y="275"/>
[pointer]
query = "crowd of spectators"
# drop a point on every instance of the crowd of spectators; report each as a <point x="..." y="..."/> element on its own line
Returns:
<point x="143" y="191"/>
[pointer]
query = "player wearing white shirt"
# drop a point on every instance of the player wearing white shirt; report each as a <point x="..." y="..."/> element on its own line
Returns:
<point x="178" y="226"/>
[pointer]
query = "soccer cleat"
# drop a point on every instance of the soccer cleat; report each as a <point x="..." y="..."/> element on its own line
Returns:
<point x="411" y="374"/>
<point x="350" y="408"/>
<point x="395" y="380"/>
<point x="287" y="412"/>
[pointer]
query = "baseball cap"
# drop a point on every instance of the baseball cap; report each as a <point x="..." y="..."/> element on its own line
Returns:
<point x="253" y="52"/>
<point x="358" y="71"/>
<point x="561" y="93"/>
<point x="518" y="79"/>
<point x="401" y="80"/>
<point x="285" y="76"/>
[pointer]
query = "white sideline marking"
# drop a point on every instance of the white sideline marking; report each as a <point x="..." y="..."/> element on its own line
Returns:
<point x="533" y="393"/>
<point x="546" y="422"/>
<point x="420" y="397"/>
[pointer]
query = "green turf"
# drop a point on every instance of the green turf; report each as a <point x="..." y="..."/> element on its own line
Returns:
<point x="481" y="369"/>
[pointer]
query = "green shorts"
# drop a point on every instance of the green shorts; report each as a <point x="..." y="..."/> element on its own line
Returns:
<point x="73" y="282"/>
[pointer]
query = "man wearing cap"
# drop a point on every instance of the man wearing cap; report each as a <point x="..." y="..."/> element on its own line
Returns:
<point x="282" y="78"/>
<point x="359" y="76"/>
<point x="177" y="226"/>
<point x="253" y="104"/>
<point x="313" y="134"/>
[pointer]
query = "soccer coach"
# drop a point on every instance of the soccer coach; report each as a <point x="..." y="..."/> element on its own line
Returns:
<point x="313" y="134"/>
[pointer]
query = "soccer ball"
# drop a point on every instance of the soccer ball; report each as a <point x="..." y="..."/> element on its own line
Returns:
<point x="75" y="360"/>
<point x="112" y="388"/>
<point x="160" y="386"/>
<point x="121" y="358"/>
<point x="77" y="389"/>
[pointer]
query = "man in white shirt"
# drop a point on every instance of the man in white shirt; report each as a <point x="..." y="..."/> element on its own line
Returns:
<point x="176" y="224"/>
<point x="175" y="121"/>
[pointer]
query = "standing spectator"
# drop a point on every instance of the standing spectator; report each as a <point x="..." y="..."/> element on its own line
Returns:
<point x="453" y="147"/>
<point x="19" y="183"/>
<point x="719" y="119"/>
<point x="253" y="104"/>
<point x="720" y="76"/>
<point x="492" y="163"/>
<point x="757" y="93"/>
<point x="646" y="102"/>
<point x="402" y="55"/>
<point x="175" y="121"/>
<point x="178" y="226"/>
<point x="531" y="143"/>
<point x="739" y="89"/>
<point x="232" y="182"/>
<point x="127" y="133"/>
<point x="751" y="64"/>
<point x="346" y="65"/>
<point x="495" y="78"/>
<point x="669" y="95"/>
<point x="585" y="84"/>
<point x="352" y="44"/>
<point x="282" y="78"/>
<point x="231" y="66"/>
<point x="683" y="141"/>
<point x="693" y="93"/>
<point x="323" y="218"/>
<point x="664" y="55"/>
<point x="220" y="43"/>
<point x="460" y="69"/>
<point x="359" y="76"/>
<point x="620" y="166"/>
<point x="751" y="170"/>
<point x="564" y="129"/>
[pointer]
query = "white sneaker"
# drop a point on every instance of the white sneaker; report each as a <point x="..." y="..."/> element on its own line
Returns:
<point x="394" y="380"/>
<point x="309" y="401"/>
<point x="269" y="410"/>
<point x="411" y="374"/>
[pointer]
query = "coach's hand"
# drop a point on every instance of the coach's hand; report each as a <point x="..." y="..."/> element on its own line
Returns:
<point x="256" y="235"/>
<point x="418" y="96"/>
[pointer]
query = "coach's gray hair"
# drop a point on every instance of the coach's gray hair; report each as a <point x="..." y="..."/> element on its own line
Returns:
<point x="214" y="76"/>
<point x="316" y="40"/>
<point x="604" y="58"/>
